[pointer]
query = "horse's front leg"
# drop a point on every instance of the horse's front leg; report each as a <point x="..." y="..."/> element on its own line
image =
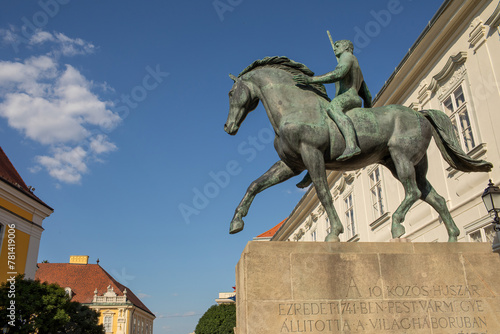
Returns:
<point x="278" y="173"/>
<point x="314" y="161"/>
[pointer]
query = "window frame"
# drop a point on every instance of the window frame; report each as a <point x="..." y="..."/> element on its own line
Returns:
<point x="314" y="235"/>
<point x="455" y="115"/>
<point x="377" y="198"/>
<point x="110" y="324"/>
<point x="483" y="234"/>
<point x="349" y="216"/>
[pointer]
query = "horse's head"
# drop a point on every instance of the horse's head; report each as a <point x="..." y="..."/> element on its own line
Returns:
<point x="242" y="100"/>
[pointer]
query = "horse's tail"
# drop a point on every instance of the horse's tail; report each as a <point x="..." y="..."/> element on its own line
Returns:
<point x="449" y="146"/>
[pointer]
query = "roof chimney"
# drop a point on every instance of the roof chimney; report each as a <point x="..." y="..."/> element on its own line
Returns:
<point x="79" y="259"/>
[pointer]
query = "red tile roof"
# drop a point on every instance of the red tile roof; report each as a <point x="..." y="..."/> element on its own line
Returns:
<point x="83" y="279"/>
<point x="271" y="232"/>
<point x="9" y="174"/>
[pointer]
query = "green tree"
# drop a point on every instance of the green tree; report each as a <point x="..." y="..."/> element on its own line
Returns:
<point x="218" y="319"/>
<point x="33" y="307"/>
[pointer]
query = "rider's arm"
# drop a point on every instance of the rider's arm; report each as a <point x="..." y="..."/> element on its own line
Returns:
<point x="342" y="69"/>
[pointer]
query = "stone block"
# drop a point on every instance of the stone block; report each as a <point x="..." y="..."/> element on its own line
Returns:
<point x="410" y="288"/>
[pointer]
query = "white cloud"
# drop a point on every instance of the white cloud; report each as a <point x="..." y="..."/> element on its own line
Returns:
<point x="58" y="42"/>
<point x="9" y="36"/>
<point x="41" y="37"/>
<point x="49" y="105"/>
<point x="66" y="165"/>
<point x="29" y="76"/>
<point x="73" y="46"/>
<point x="143" y="295"/>
<point x="100" y="144"/>
<point x="54" y="105"/>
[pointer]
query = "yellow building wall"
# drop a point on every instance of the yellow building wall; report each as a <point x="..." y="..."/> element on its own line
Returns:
<point x="22" y="242"/>
<point x="15" y="209"/>
<point x="106" y="311"/>
<point x="116" y="313"/>
<point x="130" y="312"/>
<point x="131" y="315"/>
<point x="141" y="320"/>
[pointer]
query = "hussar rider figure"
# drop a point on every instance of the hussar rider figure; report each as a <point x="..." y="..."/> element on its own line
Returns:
<point x="350" y="90"/>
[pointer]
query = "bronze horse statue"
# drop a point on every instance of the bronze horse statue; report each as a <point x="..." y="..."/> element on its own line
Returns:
<point x="394" y="136"/>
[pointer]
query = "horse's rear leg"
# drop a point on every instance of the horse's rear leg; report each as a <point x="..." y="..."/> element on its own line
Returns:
<point x="278" y="173"/>
<point x="314" y="161"/>
<point x="430" y="196"/>
<point x="404" y="170"/>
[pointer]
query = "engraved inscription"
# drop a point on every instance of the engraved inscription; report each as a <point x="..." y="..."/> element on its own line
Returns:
<point x="454" y="308"/>
<point x="352" y="290"/>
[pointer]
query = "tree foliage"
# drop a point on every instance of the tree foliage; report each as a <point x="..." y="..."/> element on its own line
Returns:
<point x="218" y="319"/>
<point x="33" y="307"/>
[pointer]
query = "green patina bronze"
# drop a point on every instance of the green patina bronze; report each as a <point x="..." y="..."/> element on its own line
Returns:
<point x="308" y="138"/>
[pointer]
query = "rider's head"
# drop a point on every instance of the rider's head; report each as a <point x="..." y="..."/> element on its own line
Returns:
<point x="344" y="45"/>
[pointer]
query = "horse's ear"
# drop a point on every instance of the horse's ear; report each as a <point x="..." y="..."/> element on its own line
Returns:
<point x="233" y="77"/>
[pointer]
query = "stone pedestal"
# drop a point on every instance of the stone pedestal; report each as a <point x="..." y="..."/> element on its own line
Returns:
<point x="315" y="287"/>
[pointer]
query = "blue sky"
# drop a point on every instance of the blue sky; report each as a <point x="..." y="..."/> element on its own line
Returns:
<point x="114" y="112"/>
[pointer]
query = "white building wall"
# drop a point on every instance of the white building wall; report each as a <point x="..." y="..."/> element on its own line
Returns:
<point x="459" y="49"/>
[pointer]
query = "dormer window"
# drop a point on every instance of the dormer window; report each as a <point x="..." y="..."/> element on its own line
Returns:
<point x="69" y="292"/>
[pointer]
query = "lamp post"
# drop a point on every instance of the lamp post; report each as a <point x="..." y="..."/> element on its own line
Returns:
<point x="491" y="200"/>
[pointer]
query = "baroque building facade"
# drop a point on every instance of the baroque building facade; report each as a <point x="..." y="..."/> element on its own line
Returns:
<point x="121" y="311"/>
<point x="454" y="66"/>
<point x="21" y="217"/>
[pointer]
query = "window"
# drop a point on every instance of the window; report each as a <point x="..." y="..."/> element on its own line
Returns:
<point x="349" y="216"/>
<point x="108" y="323"/>
<point x="328" y="226"/>
<point x="484" y="234"/>
<point x="314" y="235"/>
<point x="456" y="107"/>
<point x="376" y="193"/>
<point x="69" y="292"/>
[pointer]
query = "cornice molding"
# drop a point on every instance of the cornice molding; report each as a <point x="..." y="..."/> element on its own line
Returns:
<point x="477" y="36"/>
<point x="494" y="20"/>
<point x="23" y="201"/>
<point x="451" y="66"/>
<point x="345" y="180"/>
<point x="23" y="225"/>
<point x="452" y="22"/>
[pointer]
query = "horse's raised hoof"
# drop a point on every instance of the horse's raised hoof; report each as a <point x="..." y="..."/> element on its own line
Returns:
<point x="397" y="230"/>
<point x="332" y="237"/>
<point x="236" y="226"/>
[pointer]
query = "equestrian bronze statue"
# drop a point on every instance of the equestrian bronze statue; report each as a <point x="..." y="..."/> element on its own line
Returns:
<point x="308" y="139"/>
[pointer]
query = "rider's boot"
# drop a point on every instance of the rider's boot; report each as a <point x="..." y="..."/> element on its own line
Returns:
<point x="352" y="148"/>
<point x="349" y="153"/>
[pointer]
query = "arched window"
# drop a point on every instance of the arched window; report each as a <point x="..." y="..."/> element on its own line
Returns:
<point x="108" y="323"/>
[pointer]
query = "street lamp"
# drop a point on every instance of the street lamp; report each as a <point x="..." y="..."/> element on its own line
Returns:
<point x="491" y="200"/>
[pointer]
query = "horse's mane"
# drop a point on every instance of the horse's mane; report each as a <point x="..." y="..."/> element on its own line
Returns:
<point x="289" y="66"/>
